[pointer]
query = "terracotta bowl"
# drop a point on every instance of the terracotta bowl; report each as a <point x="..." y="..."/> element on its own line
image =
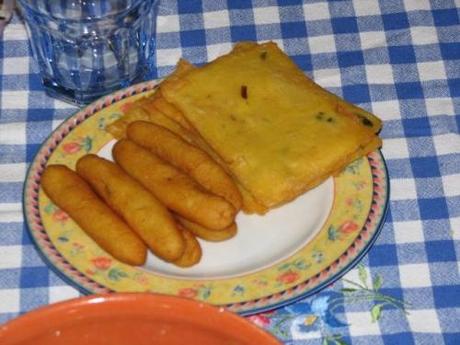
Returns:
<point x="128" y="318"/>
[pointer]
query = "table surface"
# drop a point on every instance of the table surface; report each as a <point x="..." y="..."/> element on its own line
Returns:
<point x="396" y="58"/>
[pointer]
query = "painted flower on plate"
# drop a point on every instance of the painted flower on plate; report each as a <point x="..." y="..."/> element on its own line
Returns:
<point x="102" y="262"/>
<point x="71" y="147"/>
<point x="348" y="227"/>
<point x="60" y="216"/>
<point x="78" y="144"/>
<point x="288" y="277"/>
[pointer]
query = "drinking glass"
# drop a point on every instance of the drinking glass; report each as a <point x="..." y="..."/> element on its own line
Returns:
<point x="89" y="48"/>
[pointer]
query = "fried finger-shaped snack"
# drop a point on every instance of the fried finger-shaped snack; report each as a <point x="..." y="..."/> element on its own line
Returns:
<point x="192" y="253"/>
<point x="207" y="234"/>
<point x="176" y="190"/>
<point x="187" y="157"/>
<point x="249" y="204"/>
<point x="138" y="207"/>
<point x="73" y="195"/>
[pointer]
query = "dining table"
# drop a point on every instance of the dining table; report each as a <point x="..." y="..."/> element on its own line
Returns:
<point x="398" y="59"/>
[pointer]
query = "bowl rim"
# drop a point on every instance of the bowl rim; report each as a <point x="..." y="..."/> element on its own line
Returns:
<point x="102" y="305"/>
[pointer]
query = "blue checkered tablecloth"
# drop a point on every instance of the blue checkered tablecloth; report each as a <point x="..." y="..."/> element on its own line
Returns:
<point x="397" y="58"/>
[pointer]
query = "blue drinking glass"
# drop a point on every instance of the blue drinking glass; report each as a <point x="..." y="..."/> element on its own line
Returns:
<point x="88" y="48"/>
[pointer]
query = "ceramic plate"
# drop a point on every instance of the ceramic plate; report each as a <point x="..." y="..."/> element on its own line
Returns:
<point x="289" y="253"/>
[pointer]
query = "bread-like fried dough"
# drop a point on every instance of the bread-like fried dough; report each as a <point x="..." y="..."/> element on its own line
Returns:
<point x="207" y="234"/>
<point x="192" y="253"/>
<point x="73" y="195"/>
<point x="170" y="110"/>
<point x="278" y="132"/>
<point x="176" y="190"/>
<point x="139" y="208"/>
<point x="143" y="108"/>
<point x="187" y="157"/>
<point x="154" y="108"/>
<point x="183" y="67"/>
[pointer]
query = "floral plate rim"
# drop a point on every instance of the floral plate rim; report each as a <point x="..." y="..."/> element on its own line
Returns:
<point x="341" y="265"/>
<point x="333" y="272"/>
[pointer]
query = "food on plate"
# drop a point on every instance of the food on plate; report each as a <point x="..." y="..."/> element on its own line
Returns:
<point x="244" y="45"/>
<point x="142" y="110"/>
<point x="183" y="67"/>
<point x="142" y="107"/>
<point x="139" y="208"/>
<point x="192" y="253"/>
<point x="250" y="204"/>
<point x="175" y="189"/>
<point x="74" y="196"/>
<point x="154" y="108"/>
<point x="135" y="113"/>
<point x="169" y="110"/>
<point x="248" y="131"/>
<point x="186" y="157"/>
<point x="208" y="234"/>
<point x="278" y="132"/>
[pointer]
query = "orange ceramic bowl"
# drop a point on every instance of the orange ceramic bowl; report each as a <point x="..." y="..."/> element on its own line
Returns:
<point x="128" y="318"/>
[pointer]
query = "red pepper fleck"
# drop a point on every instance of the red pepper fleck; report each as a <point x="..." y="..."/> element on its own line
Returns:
<point x="244" y="91"/>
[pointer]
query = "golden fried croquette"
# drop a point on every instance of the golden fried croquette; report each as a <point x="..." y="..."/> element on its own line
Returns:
<point x="138" y="207"/>
<point x="176" y="190"/>
<point x="186" y="157"/>
<point x="72" y="194"/>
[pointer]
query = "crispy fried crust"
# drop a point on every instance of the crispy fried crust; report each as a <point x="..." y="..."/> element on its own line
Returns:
<point x="139" y="208"/>
<point x="73" y="195"/>
<point x="208" y="234"/>
<point x="186" y="157"/>
<point x="154" y="108"/>
<point x="279" y="133"/>
<point x="192" y="253"/>
<point x="176" y="190"/>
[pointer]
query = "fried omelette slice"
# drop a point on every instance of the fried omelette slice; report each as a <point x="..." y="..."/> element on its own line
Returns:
<point x="278" y="132"/>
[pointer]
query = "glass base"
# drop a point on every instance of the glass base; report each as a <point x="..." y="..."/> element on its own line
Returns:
<point x="81" y="98"/>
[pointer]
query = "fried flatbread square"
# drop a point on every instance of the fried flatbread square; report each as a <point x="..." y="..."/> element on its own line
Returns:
<point x="278" y="132"/>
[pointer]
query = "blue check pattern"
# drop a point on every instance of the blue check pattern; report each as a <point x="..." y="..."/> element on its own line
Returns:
<point x="397" y="58"/>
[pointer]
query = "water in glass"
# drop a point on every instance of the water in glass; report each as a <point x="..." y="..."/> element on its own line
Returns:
<point x="88" y="48"/>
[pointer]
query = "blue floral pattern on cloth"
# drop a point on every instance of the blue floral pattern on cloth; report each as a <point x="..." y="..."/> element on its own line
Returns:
<point x="317" y="319"/>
